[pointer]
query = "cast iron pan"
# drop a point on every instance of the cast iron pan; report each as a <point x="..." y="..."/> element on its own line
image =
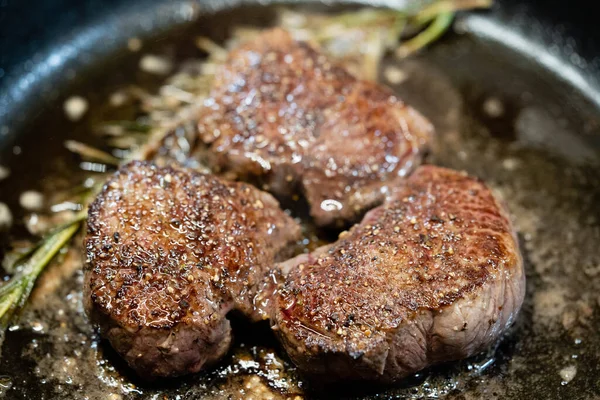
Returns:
<point x="541" y="153"/>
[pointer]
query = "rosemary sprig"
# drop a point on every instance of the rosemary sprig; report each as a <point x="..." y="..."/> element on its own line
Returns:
<point x="15" y="292"/>
<point x="435" y="30"/>
<point x="439" y="16"/>
<point x="360" y="39"/>
<point x="437" y="8"/>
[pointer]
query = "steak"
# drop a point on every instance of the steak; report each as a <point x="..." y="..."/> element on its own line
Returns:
<point x="432" y="275"/>
<point x="169" y="253"/>
<point x="282" y="115"/>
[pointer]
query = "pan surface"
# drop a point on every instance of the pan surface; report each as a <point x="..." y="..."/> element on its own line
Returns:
<point x="508" y="107"/>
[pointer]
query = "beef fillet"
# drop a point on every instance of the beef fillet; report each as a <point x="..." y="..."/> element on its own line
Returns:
<point x="433" y="275"/>
<point x="284" y="115"/>
<point x="169" y="253"/>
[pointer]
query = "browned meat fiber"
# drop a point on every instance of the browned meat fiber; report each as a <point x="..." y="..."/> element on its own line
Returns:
<point x="433" y="275"/>
<point x="169" y="253"/>
<point x="283" y="115"/>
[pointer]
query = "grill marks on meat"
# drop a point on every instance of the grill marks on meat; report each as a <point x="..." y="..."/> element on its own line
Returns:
<point x="433" y="275"/>
<point x="283" y="114"/>
<point x="170" y="253"/>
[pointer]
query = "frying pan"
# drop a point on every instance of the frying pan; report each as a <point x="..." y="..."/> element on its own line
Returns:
<point x="515" y="97"/>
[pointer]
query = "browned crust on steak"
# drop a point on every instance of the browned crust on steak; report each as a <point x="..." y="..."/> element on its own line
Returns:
<point x="433" y="275"/>
<point x="283" y="113"/>
<point x="169" y="253"/>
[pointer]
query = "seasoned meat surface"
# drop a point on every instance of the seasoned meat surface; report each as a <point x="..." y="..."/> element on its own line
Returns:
<point x="282" y="114"/>
<point x="433" y="275"/>
<point x="169" y="253"/>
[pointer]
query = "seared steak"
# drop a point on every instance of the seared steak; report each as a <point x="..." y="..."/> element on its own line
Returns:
<point x="285" y="116"/>
<point x="169" y="253"/>
<point x="433" y="275"/>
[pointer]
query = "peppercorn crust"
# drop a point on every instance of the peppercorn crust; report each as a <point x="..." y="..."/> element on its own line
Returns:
<point x="284" y="115"/>
<point x="169" y="253"/>
<point x="434" y="274"/>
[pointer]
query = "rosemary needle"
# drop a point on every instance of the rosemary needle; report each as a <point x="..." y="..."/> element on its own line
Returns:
<point x="91" y="153"/>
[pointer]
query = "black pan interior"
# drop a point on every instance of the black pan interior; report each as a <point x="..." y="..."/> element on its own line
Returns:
<point x="522" y="122"/>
